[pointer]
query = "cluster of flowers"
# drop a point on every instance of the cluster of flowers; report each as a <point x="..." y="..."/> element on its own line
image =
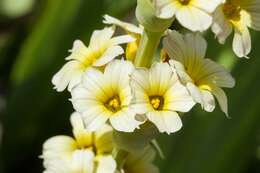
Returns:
<point x="112" y="92"/>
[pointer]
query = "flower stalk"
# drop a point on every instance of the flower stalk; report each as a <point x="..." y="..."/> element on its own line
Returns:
<point x="147" y="48"/>
<point x="120" y="157"/>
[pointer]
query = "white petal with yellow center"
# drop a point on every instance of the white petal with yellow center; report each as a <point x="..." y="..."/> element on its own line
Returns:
<point x="237" y="15"/>
<point x="192" y="14"/>
<point x="106" y="96"/>
<point x="86" y="153"/>
<point x="102" y="49"/>
<point x="201" y="76"/>
<point x="158" y="94"/>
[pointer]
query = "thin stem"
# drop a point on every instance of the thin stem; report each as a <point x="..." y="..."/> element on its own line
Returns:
<point x="120" y="156"/>
<point x="147" y="48"/>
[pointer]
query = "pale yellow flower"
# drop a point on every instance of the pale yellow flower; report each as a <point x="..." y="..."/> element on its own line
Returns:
<point x="64" y="154"/>
<point x="203" y="77"/>
<point x="141" y="162"/>
<point x="192" y="14"/>
<point x="237" y="15"/>
<point x="159" y="94"/>
<point x="130" y="29"/>
<point x="101" y="50"/>
<point x="106" y="96"/>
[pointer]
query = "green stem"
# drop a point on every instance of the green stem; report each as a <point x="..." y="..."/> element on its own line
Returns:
<point x="120" y="156"/>
<point x="147" y="48"/>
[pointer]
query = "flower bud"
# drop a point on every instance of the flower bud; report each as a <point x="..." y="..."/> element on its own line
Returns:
<point x="136" y="141"/>
<point x="147" y="15"/>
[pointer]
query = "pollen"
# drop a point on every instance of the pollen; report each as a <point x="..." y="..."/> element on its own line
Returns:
<point x="231" y="11"/>
<point x="157" y="102"/>
<point x="113" y="104"/>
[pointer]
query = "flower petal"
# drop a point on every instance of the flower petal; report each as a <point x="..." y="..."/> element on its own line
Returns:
<point x="110" y="54"/>
<point x="100" y="37"/>
<point x="122" y="39"/>
<point x="82" y="161"/>
<point x="95" y="118"/>
<point x="70" y="75"/>
<point x="208" y="101"/>
<point x="189" y="49"/>
<point x="253" y="10"/>
<point x="165" y="121"/>
<point x="82" y="99"/>
<point x="222" y="99"/>
<point x="124" y="120"/>
<point x="139" y="79"/>
<point x="212" y="72"/>
<point x="166" y="8"/>
<point x="106" y="164"/>
<point x="206" y="5"/>
<point x="194" y="19"/>
<point x="221" y="27"/>
<point x="118" y="74"/>
<point x="177" y="98"/>
<point x="95" y="82"/>
<point x="83" y="137"/>
<point x="195" y="92"/>
<point x="58" y="146"/>
<point x="242" y="42"/>
<point x="56" y="166"/>
<point x="161" y="78"/>
<point x="104" y="140"/>
<point x="127" y="26"/>
<point x="78" y="52"/>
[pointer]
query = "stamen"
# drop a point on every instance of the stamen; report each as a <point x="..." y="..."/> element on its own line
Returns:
<point x="157" y="102"/>
<point x="113" y="104"/>
<point x="231" y="11"/>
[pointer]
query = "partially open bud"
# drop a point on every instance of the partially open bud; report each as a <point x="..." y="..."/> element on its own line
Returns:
<point x="147" y="15"/>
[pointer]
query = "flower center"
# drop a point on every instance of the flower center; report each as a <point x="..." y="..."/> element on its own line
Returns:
<point x="113" y="104"/>
<point x="157" y="102"/>
<point x="184" y="2"/>
<point x="231" y="11"/>
<point x="93" y="55"/>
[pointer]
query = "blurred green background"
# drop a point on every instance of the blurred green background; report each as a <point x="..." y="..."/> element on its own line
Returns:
<point x="34" y="39"/>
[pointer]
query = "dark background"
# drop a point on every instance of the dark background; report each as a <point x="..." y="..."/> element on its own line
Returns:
<point x="34" y="38"/>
